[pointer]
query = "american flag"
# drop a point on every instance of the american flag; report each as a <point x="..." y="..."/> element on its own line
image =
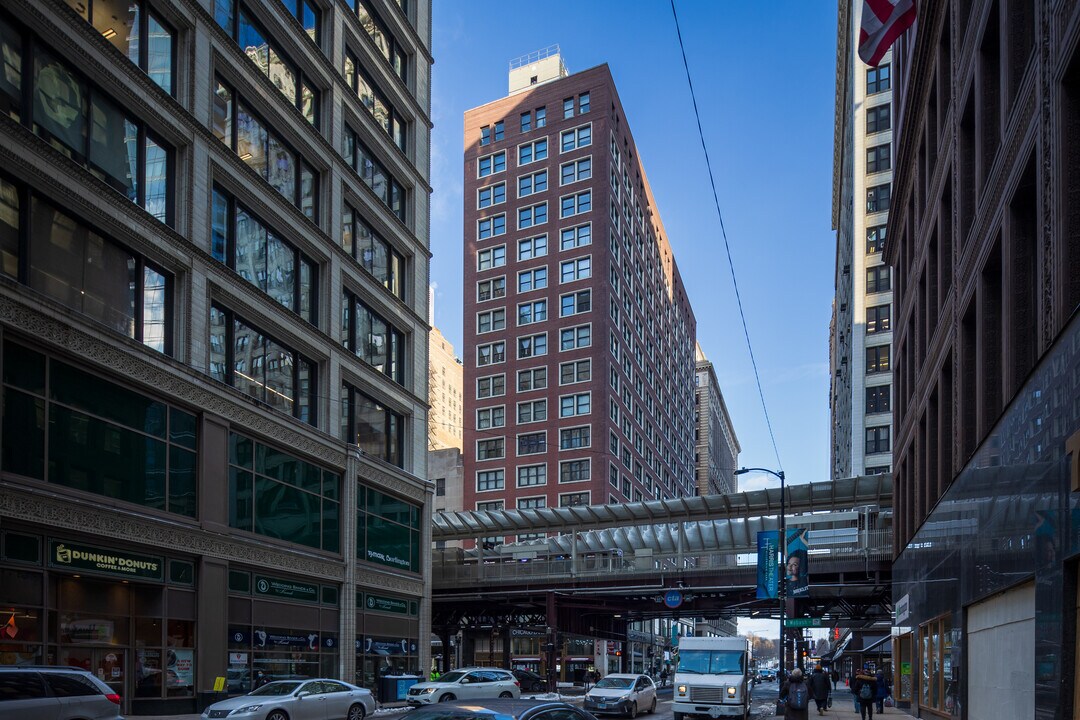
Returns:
<point x="882" y="22"/>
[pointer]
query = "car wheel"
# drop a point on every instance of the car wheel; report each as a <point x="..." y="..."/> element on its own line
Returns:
<point x="679" y="716"/>
<point x="632" y="712"/>
<point x="356" y="712"/>
<point x="506" y="694"/>
<point x="277" y="715"/>
<point x="448" y="697"/>
<point x="652" y="708"/>
<point x="538" y="687"/>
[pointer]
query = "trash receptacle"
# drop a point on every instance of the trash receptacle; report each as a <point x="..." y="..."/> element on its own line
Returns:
<point x="395" y="688"/>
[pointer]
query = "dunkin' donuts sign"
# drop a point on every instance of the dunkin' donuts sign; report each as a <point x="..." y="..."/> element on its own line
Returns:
<point x="71" y="556"/>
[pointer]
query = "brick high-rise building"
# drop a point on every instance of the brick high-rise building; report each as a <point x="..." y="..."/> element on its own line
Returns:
<point x="579" y="337"/>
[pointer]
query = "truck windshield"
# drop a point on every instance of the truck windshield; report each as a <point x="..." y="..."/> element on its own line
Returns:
<point x="712" y="662"/>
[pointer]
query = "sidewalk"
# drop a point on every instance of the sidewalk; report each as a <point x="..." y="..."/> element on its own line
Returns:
<point x="844" y="709"/>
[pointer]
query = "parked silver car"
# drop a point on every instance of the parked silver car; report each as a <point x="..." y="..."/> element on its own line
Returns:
<point x="319" y="699"/>
<point x="622" y="693"/>
<point x="466" y="684"/>
<point x="55" y="693"/>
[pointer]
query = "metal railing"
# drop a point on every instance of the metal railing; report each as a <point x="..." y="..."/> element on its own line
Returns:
<point x="535" y="56"/>
<point x="869" y="546"/>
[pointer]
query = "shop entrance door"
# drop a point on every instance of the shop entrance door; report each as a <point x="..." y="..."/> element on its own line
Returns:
<point x="106" y="663"/>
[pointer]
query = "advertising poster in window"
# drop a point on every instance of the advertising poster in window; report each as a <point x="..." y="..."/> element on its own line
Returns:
<point x="796" y="568"/>
<point x="768" y="570"/>
<point x="181" y="669"/>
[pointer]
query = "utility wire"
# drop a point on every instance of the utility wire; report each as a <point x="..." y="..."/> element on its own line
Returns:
<point x="723" y="230"/>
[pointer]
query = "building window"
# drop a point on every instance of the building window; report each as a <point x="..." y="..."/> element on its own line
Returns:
<point x="374" y="174"/>
<point x="491" y="258"/>
<point x="490" y="354"/>
<point x="574" y="471"/>
<point x="568" y="108"/>
<point x="267" y="57"/>
<point x="576" y="204"/>
<point x="875" y="239"/>
<point x="261" y="257"/>
<point x="307" y="14"/>
<point x="575" y="303"/>
<point x="531" y="411"/>
<point x="487" y="418"/>
<point x="877" y="198"/>
<point x="575" y="337"/>
<point x="877" y="319"/>
<point x="532" y="503"/>
<point x="491" y="321"/>
<point x="531" y="476"/>
<point x="492" y="449"/>
<point x="876" y="470"/>
<point x="575" y="138"/>
<point x="578" y="269"/>
<point x="877" y="79"/>
<point x="541" y="117"/>
<point x="388" y="530"/>
<point x="532" y="443"/>
<point x="533" y="215"/>
<point x="385" y="42"/>
<point x="532" y="379"/>
<point x="877" y="359"/>
<point x="570" y="238"/>
<point x="492" y="195"/>
<point x="575" y="438"/>
<point x="575" y="171"/>
<point x="84" y="124"/>
<point x="526" y="122"/>
<point x="532" y="346"/>
<point x="575" y="371"/>
<point x="531" y="152"/>
<point x="878" y="159"/>
<point x="574" y="405"/>
<point x="270" y="489"/>
<point x="89" y="273"/>
<point x="376" y="102"/>
<point x="372" y="252"/>
<point x="372" y="338"/>
<point x="535" y="279"/>
<point x="440" y="487"/>
<point x="96" y="436"/>
<point x="878" y="119"/>
<point x="878" y="279"/>
<point x="532" y="312"/>
<point x="877" y="399"/>
<point x="532" y="184"/>
<point x="490" y="386"/>
<point x="491" y="227"/>
<point x="490" y="480"/>
<point x="498" y="129"/>
<point x="124" y="26"/>
<point x="583" y="103"/>
<point x="877" y="439"/>
<point x="491" y="289"/>
<point x="260" y="366"/>
<point x="532" y="248"/>
<point x="491" y="164"/>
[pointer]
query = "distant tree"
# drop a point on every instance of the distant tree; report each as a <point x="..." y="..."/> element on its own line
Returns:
<point x="764" y="648"/>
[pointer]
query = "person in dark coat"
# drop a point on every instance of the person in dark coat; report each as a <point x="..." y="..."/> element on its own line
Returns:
<point x="819" y="689"/>
<point x="882" y="692"/>
<point x="835" y="675"/>
<point x="795" y="677"/>
<point x="866" y="705"/>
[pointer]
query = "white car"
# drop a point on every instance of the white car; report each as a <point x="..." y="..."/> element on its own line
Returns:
<point x="466" y="684"/>
<point x="623" y="694"/>
<point x="320" y="699"/>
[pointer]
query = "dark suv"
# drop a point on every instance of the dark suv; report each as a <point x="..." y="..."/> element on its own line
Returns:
<point x="41" y="692"/>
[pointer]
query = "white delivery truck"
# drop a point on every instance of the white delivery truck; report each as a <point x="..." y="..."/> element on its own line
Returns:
<point x="712" y="678"/>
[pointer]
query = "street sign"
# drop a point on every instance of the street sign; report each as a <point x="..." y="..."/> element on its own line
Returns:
<point x="804" y="622"/>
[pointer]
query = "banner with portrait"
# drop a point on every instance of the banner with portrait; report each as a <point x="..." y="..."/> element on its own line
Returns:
<point x="796" y="565"/>
<point x="768" y="566"/>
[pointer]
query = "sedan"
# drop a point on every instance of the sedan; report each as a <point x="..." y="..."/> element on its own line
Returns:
<point x="320" y="699"/>
<point x="530" y="681"/>
<point x="623" y="694"/>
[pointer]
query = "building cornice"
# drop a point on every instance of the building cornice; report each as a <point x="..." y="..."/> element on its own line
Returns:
<point x="840" y="114"/>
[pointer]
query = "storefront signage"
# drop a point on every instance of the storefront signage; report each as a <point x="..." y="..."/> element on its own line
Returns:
<point x="373" y="646"/>
<point x="381" y="603"/>
<point x="527" y="632"/>
<point x="286" y="589"/>
<point x="673" y="599"/>
<point x="902" y="609"/>
<point x="71" y="556"/>
<point x="264" y="639"/>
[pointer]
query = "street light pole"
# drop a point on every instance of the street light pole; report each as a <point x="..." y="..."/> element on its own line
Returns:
<point x="782" y="589"/>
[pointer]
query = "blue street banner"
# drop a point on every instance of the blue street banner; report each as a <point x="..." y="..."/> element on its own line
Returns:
<point x="797" y="568"/>
<point x="768" y="568"/>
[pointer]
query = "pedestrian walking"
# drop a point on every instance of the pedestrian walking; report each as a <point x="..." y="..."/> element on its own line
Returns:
<point x="835" y="678"/>
<point x="882" y="691"/>
<point x="819" y="689"/>
<point x="663" y="677"/>
<point x="865" y="690"/>
<point x="795" y="695"/>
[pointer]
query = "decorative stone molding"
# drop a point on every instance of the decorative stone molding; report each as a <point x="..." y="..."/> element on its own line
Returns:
<point x="377" y="581"/>
<point x="130" y="527"/>
<point x="369" y="472"/>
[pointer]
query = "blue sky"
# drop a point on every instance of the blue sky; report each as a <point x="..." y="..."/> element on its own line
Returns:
<point x="764" y="77"/>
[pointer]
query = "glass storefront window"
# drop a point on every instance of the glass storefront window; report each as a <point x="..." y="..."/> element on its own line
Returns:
<point x="388" y="530"/>
<point x="936" y="665"/>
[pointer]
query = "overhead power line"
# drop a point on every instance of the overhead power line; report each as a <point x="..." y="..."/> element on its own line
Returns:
<point x="723" y="231"/>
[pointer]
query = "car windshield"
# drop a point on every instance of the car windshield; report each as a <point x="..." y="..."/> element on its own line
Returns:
<point x="276" y="688"/>
<point x="452" y="676"/>
<point x="711" y="662"/>
<point x="613" y="682"/>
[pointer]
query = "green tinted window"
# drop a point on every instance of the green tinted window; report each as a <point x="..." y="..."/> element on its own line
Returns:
<point x="181" y="481"/>
<point x="91" y="394"/>
<point x="330" y="526"/>
<point x="182" y="428"/>
<point x="330" y="595"/>
<point x="331" y="485"/>
<point x="240" y="451"/>
<point x="24" y="548"/>
<point x="22" y="446"/>
<point x="181" y="573"/>
<point x="241" y="505"/>
<point x="387" y="530"/>
<point x="286" y="513"/>
<point x="239" y="582"/>
<point x="24" y="368"/>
